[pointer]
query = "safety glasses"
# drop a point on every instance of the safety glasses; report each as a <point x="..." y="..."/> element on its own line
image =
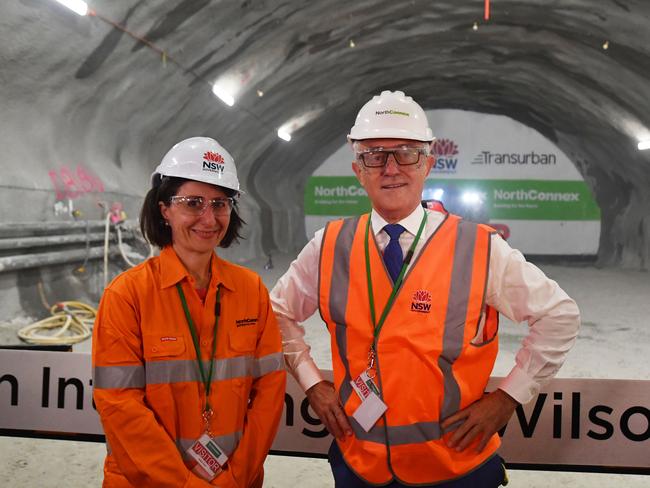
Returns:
<point x="195" y="205"/>
<point x="377" y="157"/>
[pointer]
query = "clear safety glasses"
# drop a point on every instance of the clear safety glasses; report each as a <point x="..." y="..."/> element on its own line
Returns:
<point x="377" y="157"/>
<point x="195" y="205"/>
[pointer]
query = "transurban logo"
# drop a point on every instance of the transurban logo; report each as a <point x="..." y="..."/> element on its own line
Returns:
<point x="392" y="112"/>
<point x="443" y="151"/>
<point x="421" y="301"/>
<point x="535" y="196"/>
<point x="488" y="157"/>
<point x="340" y="191"/>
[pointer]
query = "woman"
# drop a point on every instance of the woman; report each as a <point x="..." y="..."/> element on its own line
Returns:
<point x="172" y="420"/>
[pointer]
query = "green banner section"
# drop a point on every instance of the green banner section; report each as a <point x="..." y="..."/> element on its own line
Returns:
<point x="499" y="199"/>
<point x="335" y="195"/>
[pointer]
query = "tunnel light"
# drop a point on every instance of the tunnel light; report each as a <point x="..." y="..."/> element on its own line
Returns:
<point x="475" y="26"/>
<point x="260" y="93"/>
<point x="643" y="145"/>
<point x="284" y="135"/>
<point x="352" y="44"/>
<point x="77" y="6"/>
<point x="606" y="45"/>
<point x="471" y="198"/>
<point x="223" y="95"/>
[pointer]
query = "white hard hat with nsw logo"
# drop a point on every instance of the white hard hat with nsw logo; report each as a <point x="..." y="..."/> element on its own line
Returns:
<point x="199" y="159"/>
<point x="391" y="115"/>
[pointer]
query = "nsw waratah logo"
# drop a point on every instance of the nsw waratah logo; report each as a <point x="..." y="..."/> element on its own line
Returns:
<point x="421" y="301"/>
<point x="444" y="153"/>
<point x="213" y="162"/>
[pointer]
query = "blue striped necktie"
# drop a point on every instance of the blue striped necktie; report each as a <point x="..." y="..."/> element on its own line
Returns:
<point x="393" y="257"/>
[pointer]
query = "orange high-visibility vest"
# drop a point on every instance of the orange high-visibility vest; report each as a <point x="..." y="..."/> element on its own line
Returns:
<point x="147" y="385"/>
<point x="435" y="351"/>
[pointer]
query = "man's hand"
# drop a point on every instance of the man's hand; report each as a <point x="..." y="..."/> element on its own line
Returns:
<point x="482" y="418"/>
<point x="324" y="399"/>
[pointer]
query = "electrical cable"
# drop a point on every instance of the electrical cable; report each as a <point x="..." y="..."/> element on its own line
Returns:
<point x="120" y="245"/>
<point x="107" y="230"/>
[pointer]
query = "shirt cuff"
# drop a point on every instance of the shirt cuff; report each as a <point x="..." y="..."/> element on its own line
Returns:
<point x="519" y="386"/>
<point x="307" y="374"/>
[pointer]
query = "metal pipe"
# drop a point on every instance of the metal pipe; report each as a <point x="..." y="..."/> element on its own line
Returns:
<point x="26" y="261"/>
<point x="28" y="242"/>
<point x="49" y="225"/>
<point x="55" y="225"/>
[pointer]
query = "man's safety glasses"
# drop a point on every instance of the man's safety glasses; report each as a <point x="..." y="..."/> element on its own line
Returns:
<point x="377" y="157"/>
<point x="195" y="205"/>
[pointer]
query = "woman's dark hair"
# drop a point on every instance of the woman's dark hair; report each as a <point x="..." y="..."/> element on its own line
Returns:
<point x="154" y="227"/>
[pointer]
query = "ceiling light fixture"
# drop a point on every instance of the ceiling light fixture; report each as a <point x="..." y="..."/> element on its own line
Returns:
<point x="284" y="135"/>
<point x="260" y="93"/>
<point x="77" y="6"/>
<point x="352" y="44"/>
<point x="643" y="145"/>
<point x="223" y="95"/>
<point x="606" y="45"/>
<point x="475" y="26"/>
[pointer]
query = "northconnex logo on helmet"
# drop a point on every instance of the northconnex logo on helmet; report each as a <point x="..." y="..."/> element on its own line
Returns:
<point x="443" y="151"/>
<point x="214" y="163"/>
<point x="421" y="301"/>
<point x="392" y="112"/>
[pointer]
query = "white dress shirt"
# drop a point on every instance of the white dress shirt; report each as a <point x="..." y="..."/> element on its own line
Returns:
<point x="516" y="288"/>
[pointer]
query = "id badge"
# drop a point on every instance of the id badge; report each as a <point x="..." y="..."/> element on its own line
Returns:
<point x="206" y="458"/>
<point x="372" y="407"/>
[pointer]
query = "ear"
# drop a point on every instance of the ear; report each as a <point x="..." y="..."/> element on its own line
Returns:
<point x="429" y="164"/>
<point x="164" y="210"/>
<point x="358" y="172"/>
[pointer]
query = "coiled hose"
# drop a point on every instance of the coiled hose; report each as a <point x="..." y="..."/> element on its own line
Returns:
<point x="74" y="321"/>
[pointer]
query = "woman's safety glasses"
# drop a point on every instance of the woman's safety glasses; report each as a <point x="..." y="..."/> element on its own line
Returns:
<point x="377" y="157"/>
<point x="195" y="206"/>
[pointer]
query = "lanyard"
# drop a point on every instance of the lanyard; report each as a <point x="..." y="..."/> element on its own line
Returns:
<point x="398" y="283"/>
<point x="205" y="377"/>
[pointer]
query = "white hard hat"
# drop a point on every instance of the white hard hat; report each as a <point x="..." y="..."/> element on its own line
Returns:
<point x="200" y="159"/>
<point x="391" y="115"/>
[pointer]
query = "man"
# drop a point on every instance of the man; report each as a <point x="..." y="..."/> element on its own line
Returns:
<point x="411" y="299"/>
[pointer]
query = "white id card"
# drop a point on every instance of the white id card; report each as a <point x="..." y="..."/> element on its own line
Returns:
<point x="372" y="407"/>
<point x="206" y="458"/>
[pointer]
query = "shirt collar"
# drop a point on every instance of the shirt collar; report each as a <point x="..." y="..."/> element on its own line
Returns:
<point x="411" y="223"/>
<point x="172" y="270"/>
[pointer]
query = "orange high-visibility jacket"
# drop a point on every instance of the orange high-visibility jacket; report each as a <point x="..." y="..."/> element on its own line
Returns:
<point x="147" y="385"/>
<point x="435" y="351"/>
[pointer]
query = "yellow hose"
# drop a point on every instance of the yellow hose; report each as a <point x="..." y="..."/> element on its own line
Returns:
<point x="70" y="322"/>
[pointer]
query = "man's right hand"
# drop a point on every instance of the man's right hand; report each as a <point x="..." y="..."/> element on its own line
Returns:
<point x="324" y="399"/>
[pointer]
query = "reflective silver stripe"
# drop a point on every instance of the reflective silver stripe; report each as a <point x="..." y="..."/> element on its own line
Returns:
<point x="181" y="370"/>
<point x="226" y="442"/>
<point x="414" y="433"/>
<point x="118" y="377"/>
<point x="399" y="434"/>
<point x="339" y="296"/>
<point x="268" y="364"/>
<point x="452" y="344"/>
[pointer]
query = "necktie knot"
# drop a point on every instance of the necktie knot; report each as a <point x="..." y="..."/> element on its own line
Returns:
<point x="393" y="251"/>
<point x="394" y="230"/>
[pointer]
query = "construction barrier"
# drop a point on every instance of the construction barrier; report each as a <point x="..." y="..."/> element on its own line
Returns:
<point x="572" y="425"/>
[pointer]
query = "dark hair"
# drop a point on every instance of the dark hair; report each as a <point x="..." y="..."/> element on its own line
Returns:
<point x="153" y="226"/>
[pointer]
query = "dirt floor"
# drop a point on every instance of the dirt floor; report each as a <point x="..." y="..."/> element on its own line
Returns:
<point x="614" y="343"/>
